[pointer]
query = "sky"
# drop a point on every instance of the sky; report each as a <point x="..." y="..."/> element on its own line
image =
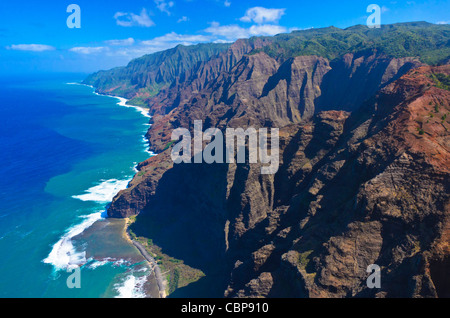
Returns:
<point x="35" y="36"/>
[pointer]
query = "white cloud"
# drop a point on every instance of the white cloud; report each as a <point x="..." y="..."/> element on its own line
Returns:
<point x="443" y="22"/>
<point x="221" y="41"/>
<point x="227" y="3"/>
<point x="233" y="32"/>
<point x="183" y="19"/>
<point x="174" y="38"/>
<point x="157" y="44"/>
<point x="31" y="47"/>
<point x="263" y="23"/>
<point x="266" y="29"/>
<point x="126" y="19"/>
<point x="125" y="42"/>
<point x="164" y="5"/>
<point x="229" y="32"/>
<point x="262" y="15"/>
<point x="87" y="49"/>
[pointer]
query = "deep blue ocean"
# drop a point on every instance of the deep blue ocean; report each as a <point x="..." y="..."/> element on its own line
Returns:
<point x="64" y="153"/>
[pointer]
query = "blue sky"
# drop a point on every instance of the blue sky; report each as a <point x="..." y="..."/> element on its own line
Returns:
<point x="34" y="36"/>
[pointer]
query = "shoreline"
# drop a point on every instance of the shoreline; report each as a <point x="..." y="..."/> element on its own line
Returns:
<point x="122" y="101"/>
<point x="156" y="270"/>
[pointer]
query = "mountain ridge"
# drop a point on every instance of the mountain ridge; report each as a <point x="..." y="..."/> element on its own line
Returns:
<point x="299" y="43"/>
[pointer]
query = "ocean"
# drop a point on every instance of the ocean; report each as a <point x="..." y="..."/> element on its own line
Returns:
<point x="65" y="153"/>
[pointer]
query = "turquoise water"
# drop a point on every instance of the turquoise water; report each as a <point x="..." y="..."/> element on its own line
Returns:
<point x="65" y="152"/>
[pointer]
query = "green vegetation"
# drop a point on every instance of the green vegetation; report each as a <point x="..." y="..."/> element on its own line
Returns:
<point x="176" y="261"/>
<point x="144" y="77"/>
<point x="177" y="273"/>
<point x="417" y="247"/>
<point x="304" y="262"/>
<point x="304" y="259"/>
<point x="441" y="81"/>
<point x="147" y="92"/>
<point x="174" y="280"/>
<point x="169" y="145"/>
<point x="426" y="41"/>
<point x="132" y="235"/>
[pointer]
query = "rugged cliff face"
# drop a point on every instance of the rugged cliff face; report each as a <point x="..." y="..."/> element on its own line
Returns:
<point x="363" y="176"/>
<point x="259" y="92"/>
<point x="378" y="195"/>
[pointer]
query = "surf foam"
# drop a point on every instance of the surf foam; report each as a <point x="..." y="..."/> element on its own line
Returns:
<point x="124" y="101"/>
<point x="63" y="254"/>
<point x="104" y="192"/>
<point x="132" y="287"/>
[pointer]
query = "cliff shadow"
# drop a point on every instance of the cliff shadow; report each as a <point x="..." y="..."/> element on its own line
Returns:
<point x="186" y="215"/>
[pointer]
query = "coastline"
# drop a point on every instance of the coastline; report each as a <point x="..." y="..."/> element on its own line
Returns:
<point x="122" y="101"/>
<point x="156" y="271"/>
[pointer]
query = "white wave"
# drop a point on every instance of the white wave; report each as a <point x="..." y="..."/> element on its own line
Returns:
<point x="123" y="102"/>
<point x="81" y="84"/>
<point x="132" y="287"/>
<point x="93" y="264"/>
<point x="121" y="262"/>
<point x="146" y="144"/>
<point x="104" y="192"/>
<point x="143" y="269"/>
<point x="64" y="254"/>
